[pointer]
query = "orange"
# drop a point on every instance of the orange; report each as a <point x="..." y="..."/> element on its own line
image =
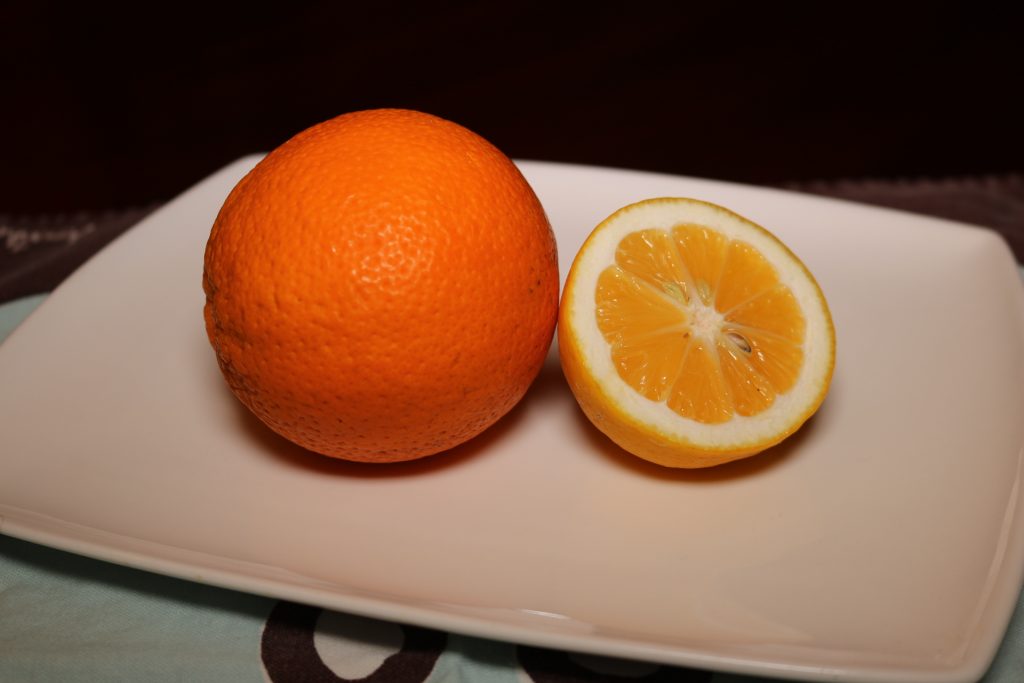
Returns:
<point x="381" y="287"/>
<point x="692" y="336"/>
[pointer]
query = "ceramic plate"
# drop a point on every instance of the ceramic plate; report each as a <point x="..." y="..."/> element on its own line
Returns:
<point x="882" y="542"/>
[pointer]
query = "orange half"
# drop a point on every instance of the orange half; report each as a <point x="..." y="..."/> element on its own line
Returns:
<point x="692" y="336"/>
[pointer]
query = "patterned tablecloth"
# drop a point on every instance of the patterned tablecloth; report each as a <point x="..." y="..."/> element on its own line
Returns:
<point x="69" y="618"/>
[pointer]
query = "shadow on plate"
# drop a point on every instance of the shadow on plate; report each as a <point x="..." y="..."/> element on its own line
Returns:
<point x="548" y="388"/>
<point x="267" y="442"/>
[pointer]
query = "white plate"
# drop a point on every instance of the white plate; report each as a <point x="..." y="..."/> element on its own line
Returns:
<point x="883" y="542"/>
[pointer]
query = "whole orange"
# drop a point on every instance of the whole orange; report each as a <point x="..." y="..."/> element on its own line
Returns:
<point x="381" y="287"/>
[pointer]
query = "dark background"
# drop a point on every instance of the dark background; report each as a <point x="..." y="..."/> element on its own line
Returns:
<point x="104" y="111"/>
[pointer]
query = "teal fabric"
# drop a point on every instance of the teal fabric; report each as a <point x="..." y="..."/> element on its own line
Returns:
<point x="13" y="312"/>
<point x="69" y="618"/>
<point x="64" y="617"/>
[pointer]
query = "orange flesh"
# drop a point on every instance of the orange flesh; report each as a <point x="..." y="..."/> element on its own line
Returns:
<point x="700" y="322"/>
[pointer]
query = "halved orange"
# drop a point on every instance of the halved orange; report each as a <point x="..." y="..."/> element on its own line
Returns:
<point x="691" y="336"/>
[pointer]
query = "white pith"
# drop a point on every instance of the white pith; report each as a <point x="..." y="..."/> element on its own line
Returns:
<point x="705" y="321"/>
<point x="599" y="253"/>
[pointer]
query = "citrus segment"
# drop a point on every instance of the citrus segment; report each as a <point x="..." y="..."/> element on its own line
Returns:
<point x="774" y="311"/>
<point x="745" y="275"/>
<point x="686" y="326"/>
<point x="698" y="391"/>
<point x="704" y="252"/>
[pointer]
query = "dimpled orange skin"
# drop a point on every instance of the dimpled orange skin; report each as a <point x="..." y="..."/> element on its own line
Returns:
<point x="382" y="287"/>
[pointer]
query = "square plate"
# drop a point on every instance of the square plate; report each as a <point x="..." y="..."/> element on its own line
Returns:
<point x="882" y="542"/>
